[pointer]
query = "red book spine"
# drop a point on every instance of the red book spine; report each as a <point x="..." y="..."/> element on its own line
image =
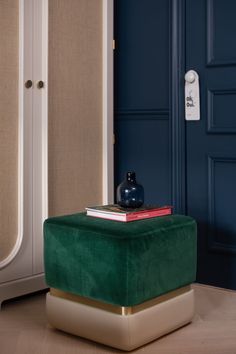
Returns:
<point x="148" y="214"/>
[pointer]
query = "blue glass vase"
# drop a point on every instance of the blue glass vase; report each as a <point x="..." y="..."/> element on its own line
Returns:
<point x="130" y="194"/>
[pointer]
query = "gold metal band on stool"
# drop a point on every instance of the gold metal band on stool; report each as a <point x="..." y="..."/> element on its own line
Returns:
<point x="120" y="310"/>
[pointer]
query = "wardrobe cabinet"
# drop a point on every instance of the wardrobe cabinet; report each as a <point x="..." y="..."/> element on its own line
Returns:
<point x="56" y="125"/>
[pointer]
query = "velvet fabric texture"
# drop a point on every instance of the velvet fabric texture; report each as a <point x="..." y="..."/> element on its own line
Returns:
<point x="119" y="263"/>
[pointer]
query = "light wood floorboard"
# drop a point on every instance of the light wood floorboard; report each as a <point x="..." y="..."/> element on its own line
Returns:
<point x="24" y="329"/>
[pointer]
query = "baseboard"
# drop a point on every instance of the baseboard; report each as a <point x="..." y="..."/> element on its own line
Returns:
<point x="21" y="287"/>
<point x="212" y="287"/>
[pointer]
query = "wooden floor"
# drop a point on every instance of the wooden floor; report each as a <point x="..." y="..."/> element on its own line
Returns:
<point x="24" y="329"/>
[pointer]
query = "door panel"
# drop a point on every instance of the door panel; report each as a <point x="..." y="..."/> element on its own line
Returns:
<point x="8" y="126"/>
<point x="75" y="105"/>
<point x="211" y="142"/>
<point x="23" y="156"/>
<point x="142" y="95"/>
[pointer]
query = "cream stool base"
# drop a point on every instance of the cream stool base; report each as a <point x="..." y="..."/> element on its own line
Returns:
<point x="125" y="332"/>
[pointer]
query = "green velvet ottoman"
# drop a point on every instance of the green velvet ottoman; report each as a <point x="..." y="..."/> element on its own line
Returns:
<point x="102" y="271"/>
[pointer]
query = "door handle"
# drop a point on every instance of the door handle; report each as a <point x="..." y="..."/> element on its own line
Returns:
<point x="192" y="99"/>
<point x="40" y="84"/>
<point x="28" y="84"/>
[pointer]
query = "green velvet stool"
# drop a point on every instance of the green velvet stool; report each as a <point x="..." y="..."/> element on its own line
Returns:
<point x="110" y="279"/>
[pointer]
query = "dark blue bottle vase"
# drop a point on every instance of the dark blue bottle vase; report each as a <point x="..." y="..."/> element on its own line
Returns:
<point x="130" y="194"/>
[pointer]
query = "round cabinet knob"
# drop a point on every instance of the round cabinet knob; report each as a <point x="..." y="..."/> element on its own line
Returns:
<point x="28" y="84"/>
<point x="190" y="76"/>
<point x="40" y="84"/>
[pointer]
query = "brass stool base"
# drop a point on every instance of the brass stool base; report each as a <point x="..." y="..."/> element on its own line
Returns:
<point x="125" y="331"/>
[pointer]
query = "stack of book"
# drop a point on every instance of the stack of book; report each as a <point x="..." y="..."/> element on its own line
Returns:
<point x="115" y="212"/>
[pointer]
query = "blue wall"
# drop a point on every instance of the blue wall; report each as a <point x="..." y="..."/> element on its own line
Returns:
<point x="142" y="85"/>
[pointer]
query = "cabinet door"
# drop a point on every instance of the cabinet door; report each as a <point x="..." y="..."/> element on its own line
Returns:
<point x="23" y="130"/>
<point x="39" y="117"/>
<point x="75" y="105"/>
<point x="15" y="159"/>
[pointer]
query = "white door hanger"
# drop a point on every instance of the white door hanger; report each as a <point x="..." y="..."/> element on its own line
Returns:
<point x="192" y="99"/>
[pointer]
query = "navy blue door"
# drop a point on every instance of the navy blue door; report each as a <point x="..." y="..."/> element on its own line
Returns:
<point x="211" y="142"/>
